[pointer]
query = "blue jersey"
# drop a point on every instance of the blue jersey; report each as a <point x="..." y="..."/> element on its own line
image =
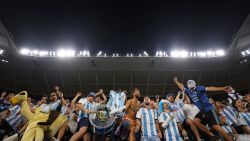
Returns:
<point x="148" y="119"/>
<point x="199" y="97"/>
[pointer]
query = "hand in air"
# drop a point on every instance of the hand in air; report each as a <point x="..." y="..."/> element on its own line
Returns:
<point x="78" y="94"/>
<point x="228" y="88"/>
<point x="175" y="79"/>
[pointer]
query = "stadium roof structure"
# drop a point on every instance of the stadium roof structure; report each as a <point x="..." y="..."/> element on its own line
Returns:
<point x="152" y="75"/>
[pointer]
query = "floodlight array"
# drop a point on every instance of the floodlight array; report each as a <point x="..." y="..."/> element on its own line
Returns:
<point x="4" y="61"/>
<point x="86" y="53"/>
<point x="245" y="52"/>
<point x="199" y="54"/>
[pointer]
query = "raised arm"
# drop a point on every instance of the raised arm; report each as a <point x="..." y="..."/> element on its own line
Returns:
<point x="103" y="96"/>
<point x="178" y="96"/>
<point x="217" y="88"/>
<point x="72" y="104"/>
<point x="180" y="85"/>
<point x="62" y="100"/>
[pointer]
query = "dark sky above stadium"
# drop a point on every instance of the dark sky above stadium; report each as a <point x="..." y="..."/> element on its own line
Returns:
<point x="124" y="26"/>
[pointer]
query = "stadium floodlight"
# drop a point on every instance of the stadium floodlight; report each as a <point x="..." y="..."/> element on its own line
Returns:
<point x="84" y="53"/>
<point x="160" y="53"/>
<point x="127" y="55"/>
<point x="243" y="53"/>
<point x="201" y="54"/>
<point x="177" y="53"/>
<point x="139" y="54"/>
<point x="117" y="55"/>
<point x="145" y="53"/>
<point x="174" y="54"/>
<point x="184" y="54"/>
<point x="88" y="54"/>
<point x="194" y="54"/>
<point x="43" y="53"/>
<point x="164" y="53"/>
<point x="157" y="53"/>
<point x="99" y="53"/>
<point x="1" y="51"/>
<point x="24" y="51"/>
<point x="131" y="54"/>
<point x="209" y="53"/>
<point x="219" y="52"/>
<point x="35" y="52"/>
<point x="247" y="51"/>
<point x="65" y="53"/>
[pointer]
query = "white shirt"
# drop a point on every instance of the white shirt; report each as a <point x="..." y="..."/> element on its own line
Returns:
<point x="191" y="110"/>
<point x="87" y="105"/>
<point x="51" y="106"/>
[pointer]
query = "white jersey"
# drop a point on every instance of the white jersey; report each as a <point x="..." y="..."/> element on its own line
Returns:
<point x="191" y="110"/>
<point x="171" y="132"/>
<point x="87" y="105"/>
<point x="148" y="118"/>
<point x="51" y="106"/>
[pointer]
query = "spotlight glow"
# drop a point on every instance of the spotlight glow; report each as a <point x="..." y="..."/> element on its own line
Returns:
<point x="182" y="54"/>
<point x="1" y="51"/>
<point x="219" y="52"/>
<point x="25" y="51"/>
<point x="99" y="53"/>
<point x="65" y="53"/>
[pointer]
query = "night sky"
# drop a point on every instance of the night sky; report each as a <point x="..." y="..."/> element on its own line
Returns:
<point x="122" y="26"/>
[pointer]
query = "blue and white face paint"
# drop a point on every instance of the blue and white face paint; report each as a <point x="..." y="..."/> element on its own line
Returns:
<point x="191" y="84"/>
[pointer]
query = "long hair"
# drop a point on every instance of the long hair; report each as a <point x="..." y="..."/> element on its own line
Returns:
<point x="133" y="91"/>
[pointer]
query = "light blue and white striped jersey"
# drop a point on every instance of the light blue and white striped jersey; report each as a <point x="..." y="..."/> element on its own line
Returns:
<point x="176" y="108"/>
<point x="15" y="117"/>
<point x="148" y="119"/>
<point x="86" y="105"/>
<point x="116" y="100"/>
<point x="171" y="132"/>
<point x="228" y="129"/>
<point x="231" y="115"/>
<point x="46" y="108"/>
<point x="245" y="116"/>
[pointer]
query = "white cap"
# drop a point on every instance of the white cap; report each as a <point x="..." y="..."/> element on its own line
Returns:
<point x="191" y="84"/>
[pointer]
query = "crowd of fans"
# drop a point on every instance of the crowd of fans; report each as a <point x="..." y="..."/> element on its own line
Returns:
<point x="188" y="115"/>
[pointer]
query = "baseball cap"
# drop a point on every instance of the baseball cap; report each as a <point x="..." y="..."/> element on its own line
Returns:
<point x="92" y="94"/>
<point x="171" y="94"/>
